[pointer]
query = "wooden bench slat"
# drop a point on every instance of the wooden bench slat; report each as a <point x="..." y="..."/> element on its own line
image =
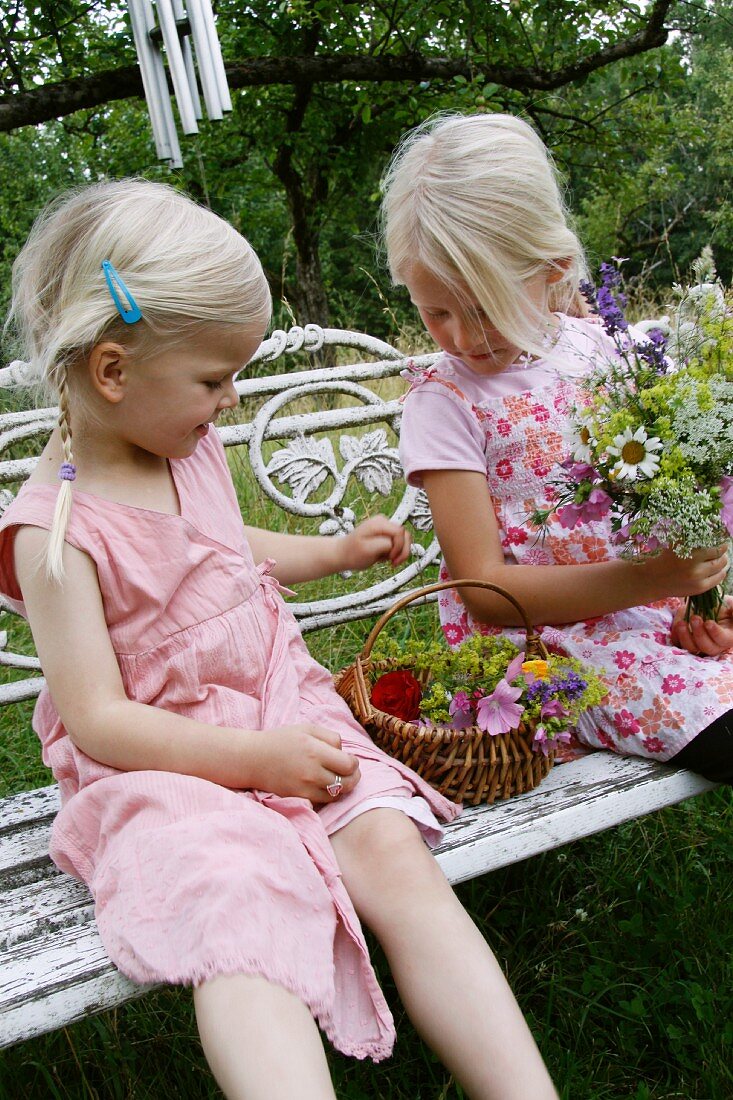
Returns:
<point x="576" y="800"/>
<point x="38" y="899"/>
<point x="28" y="807"/>
<point x="26" y="846"/>
<point x="55" y="981"/>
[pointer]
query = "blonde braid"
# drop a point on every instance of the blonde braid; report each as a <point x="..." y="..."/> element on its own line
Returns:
<point x="62" y="511"/>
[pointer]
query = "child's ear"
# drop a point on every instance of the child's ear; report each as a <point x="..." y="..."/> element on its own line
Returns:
<point x="557" y="269"/>
<point x="108" y="366"/>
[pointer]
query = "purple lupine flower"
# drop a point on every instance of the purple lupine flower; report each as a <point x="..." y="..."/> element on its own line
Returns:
<point x="610" y="275"/>
<point x="611" y="310"/>
<point x="588" y="291"/>
<point x="573" y="685"/>
<point x="570" y="684"/>
<point x="652" y="350"/>
<point x="538" y="689"/>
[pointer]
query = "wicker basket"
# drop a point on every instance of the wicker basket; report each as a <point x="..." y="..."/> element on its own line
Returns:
<point x="467" y="765"/>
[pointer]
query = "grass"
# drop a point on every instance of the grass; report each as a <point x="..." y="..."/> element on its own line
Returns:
<point x="618" y="947"/>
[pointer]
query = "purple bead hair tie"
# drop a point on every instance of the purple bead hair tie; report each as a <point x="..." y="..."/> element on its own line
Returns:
<point x="67" y="471"/>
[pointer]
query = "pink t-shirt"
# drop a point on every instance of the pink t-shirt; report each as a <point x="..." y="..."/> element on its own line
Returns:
<point x="455" y="440"/>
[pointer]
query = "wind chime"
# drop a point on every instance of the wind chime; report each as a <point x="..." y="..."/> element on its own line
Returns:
<point x="176" y="30"/>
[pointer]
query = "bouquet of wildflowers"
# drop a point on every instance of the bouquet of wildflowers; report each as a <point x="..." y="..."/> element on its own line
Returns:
<point x="652" y="444"/>
<point x="486" y="682"/>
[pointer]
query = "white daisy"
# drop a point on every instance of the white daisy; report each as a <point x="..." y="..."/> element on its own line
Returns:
<point x="635" y="452"/>
<point x="582" y="441"/>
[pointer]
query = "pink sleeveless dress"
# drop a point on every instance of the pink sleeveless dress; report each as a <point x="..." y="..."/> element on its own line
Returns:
<point x="190" y="879"/>
<point x="513" y="427"/>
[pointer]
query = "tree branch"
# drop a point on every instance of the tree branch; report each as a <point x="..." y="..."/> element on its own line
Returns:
<point x="87" y="92"/>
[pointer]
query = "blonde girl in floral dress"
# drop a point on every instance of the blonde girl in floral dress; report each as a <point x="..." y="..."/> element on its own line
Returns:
<point x="476" y="229"/>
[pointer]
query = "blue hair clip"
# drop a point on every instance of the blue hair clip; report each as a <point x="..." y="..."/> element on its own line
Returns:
<point x="130" y="313"/>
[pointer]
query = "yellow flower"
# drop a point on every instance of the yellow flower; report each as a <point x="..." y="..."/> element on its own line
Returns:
<point x="538" y="668"/>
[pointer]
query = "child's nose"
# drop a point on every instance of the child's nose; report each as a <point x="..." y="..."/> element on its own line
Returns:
<point x="469" y="335"/>
<point x="229" y="397"/>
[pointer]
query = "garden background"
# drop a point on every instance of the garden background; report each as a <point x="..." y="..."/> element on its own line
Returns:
<point x="619" y="947"/>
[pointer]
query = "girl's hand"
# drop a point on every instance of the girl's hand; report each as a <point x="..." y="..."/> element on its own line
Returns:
<point x="300" y="761"/>
<point x="674" y="576"/>
<point x="709" y="637"/>
<point x="376" y="539"/>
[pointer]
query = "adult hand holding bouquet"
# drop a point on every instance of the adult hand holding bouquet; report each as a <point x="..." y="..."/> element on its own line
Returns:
<point x="652" y="446"/>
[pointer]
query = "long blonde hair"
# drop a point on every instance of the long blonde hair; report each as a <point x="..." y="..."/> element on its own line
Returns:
<point x="183" y="265"/>
<point x="477" y="201"/>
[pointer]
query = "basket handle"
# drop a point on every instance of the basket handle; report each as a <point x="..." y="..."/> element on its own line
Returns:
<point x="533" y="638"/>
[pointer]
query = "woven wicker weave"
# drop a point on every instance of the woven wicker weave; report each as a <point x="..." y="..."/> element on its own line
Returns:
<point x="467" y="765"/>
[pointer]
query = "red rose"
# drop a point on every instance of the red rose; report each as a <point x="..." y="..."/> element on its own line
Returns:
<point x="398" y="693"/>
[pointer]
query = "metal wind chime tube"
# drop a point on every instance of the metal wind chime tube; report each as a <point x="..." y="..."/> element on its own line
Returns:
<point x="176" y="66"/>
<point x="180" y="14"/>
<point x="177" y="28"/>
<point x="207" y="71"/>
<point x="154" y="83"/>
<point x="216" y="55"/>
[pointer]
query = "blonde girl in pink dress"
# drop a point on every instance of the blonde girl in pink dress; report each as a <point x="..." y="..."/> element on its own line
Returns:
<point x="231" y="819"/>
<point x="476" y="230"/>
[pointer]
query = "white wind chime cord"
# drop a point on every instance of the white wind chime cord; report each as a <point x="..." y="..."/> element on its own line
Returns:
<point x="186" y="32"/>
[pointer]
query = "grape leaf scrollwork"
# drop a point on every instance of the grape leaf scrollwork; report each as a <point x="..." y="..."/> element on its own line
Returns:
<point x="374" y="463"/>
<point x="303" y="465"/>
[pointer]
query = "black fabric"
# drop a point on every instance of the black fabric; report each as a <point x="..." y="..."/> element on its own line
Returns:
<point x="711" y="753"/>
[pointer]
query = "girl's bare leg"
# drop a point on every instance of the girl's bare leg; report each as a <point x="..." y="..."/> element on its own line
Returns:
<point x="260" y="1041"/>
<point x="447" y="976"/>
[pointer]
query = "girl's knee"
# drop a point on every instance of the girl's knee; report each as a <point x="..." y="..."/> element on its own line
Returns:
<point x="382" y="856"/>
<point x="380" y="836"/>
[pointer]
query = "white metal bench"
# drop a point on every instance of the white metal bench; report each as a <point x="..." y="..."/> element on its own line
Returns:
<point x="53" y="969"/>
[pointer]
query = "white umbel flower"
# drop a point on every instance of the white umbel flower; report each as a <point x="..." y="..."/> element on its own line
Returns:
<point x="635" y="451"/>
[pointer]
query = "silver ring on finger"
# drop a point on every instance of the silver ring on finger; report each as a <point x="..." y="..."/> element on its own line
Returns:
<point x="335" y="788"/>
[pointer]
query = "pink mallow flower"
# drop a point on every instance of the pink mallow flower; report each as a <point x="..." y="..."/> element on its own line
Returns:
<point x="596" y="506"/>
<point x="499" y="712"/>
<point x="514" y="668"/>
<point x="618" y="538"/>
<point x="726" y="496"/>
<point x="460" y="711"/>
<point x="544" y="743"/>
<point x="569" y="516"/>
<point x="553" y="708"/>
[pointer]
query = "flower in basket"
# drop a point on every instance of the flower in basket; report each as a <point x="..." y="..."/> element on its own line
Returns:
<point x="652" y="438"/>
<point x="488" y="683"/>
<point x="398" y="693"/>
